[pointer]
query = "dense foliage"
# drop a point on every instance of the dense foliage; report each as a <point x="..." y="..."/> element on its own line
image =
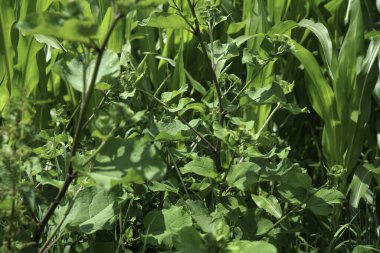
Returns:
<point x="189" y="126"/>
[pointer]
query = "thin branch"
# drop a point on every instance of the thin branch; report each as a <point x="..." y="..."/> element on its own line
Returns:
<point x="222" y="114"/>
<point x="269" y="118"/>
<point x="178" y="172"/>
<point x="71" y="174"/>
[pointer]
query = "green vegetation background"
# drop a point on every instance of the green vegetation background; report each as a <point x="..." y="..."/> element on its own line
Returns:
<point x="189" y="126"/>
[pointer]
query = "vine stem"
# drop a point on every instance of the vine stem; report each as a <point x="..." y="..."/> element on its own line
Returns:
<point x="70" y="173"/>
<point x="222" y="113"/>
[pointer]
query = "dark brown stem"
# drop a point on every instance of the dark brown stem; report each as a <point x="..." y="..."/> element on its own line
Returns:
<point x="222" y="114"/>
<point x="70" y="173"/>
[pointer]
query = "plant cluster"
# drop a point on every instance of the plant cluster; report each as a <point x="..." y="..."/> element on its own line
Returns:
<point x="189" y="126"/>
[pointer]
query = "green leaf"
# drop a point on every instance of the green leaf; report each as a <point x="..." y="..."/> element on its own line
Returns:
<point x="267" y="95"/>
<point x="243" y="175"/>
<point x="203" y="166"/>
<point x="172" y="130"/>
<point x="165" y="20"/>
<point x="94" y="209"/>
<point x="359" y="185"/>
<point x="320" y="203"/>
<point x="128" y="5"/>
<point x="125" y="161"/>
<point x="220" y="132"/>
<point x="161" y="187"/>
<point x="235" y="27"/>
<point x="294" y="108"/>
<point x="319" y="91"/>
<point x="223" y="51"/>
<point x="188" y="240"/>
<point x="59" y="26"/>
<point x="269" y="203"/>
<point x="73" y="71"/>
<point x="324" y="38"/>
<point x="162" y="225"/>
<point x="200" y="214"/>
<point x="196" y="85"/>
<point x="102" y="220"/>
<point x="244" y="246"/>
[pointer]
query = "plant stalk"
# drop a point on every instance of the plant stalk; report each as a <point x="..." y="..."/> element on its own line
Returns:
<point x="222" y="114"/>
<point x="70" y="173"/>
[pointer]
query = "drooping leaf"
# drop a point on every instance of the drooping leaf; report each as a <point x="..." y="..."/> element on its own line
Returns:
<point x="324" y="38"/>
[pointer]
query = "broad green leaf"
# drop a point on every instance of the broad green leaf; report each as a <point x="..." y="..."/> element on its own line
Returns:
<point x="220" y="132"/>
<point x="244" y="246"/>
<point x="324" y="38"/>
<point x="102" y="220"/>
<point x="189" y="240"/>
<point x="172" y="130"/>
<point x="269" y="203"/>
<point x="162" y="225"/>
<point x="203" y="166"/>
<point x="267" y="95"/>
<point x="222" y="51"/>
<point x="73" y="70"/>
<point x="59" y="26"/>
<point x="165" y="20"/>
<point x="125" y="161"/>
<point x="200" y="214"/>
<point x="94" y="209"/>
<point x="243" y="175"/>
<point x="320" y="202"/>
